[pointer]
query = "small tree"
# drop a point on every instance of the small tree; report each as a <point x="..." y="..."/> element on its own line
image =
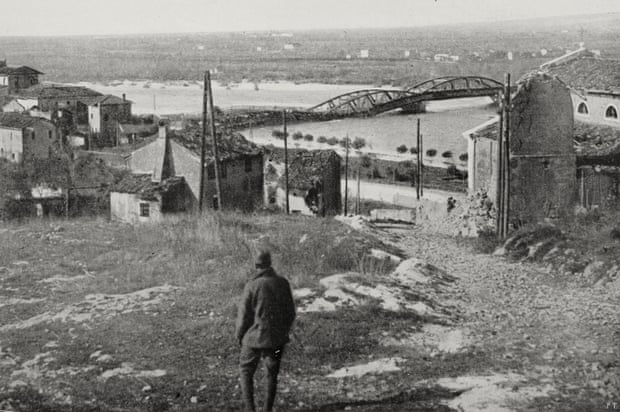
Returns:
<point x="308" y="137"/>
<point x="297" y="136"/>
<point x="447" y="154"/>
<point x="366" y="161"/>
<point x="358" y="143"/>
<point x="463" y="157"/>
<point x="332" y="141"/>
<point x="413" y="150"/>
<point x="322" y="139"/>
<point x="431" y="152"/>
<point x="401" y="149"/>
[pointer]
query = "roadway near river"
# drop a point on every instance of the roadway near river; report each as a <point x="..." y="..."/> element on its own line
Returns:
<point x="397" y="194"/>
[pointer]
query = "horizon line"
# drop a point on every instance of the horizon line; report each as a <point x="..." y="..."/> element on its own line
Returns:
<point x="298" y="30"/>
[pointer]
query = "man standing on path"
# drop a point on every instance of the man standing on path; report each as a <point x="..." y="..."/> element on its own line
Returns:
<point x="265" y="317"/>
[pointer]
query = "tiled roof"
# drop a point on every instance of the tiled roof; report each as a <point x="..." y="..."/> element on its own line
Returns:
<point x="108" y="99"/>
<point x="589" y="73"/>
<point x="19" y="121"/>
<point x="18" y="70"/>
<point x="231" y="146"/>
<point x="487" y="130"/>
<point x="307" y="166"/>
<point x="143" y="185"/>
<point x="47" y="90"/>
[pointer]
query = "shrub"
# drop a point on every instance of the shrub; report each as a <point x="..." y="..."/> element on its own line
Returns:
<point x="463" y="157"/>
<point x="447" y="154"/>
<point x="431" y="152"/>
<point x="343" y="142"/>
<point x="308" y="137"/>
<point x="322" y="139"/>
<point x="366" y="161"/>
<point x="332" y="141"/>
<point x="401" y="149"/>
<point x="297" y="136"/>
<point x="358" y="143"/>
<point x="413" y="150"/>
<point x="278" y="134"/>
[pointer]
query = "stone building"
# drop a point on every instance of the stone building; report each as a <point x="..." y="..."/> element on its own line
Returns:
<point x="71" y="100"/>
<point x="15" y="79"/>
<point x="24" y="137"/>
<point x="314" y="183"/>
<point x="137" y="198"/>
<point x="241" y="165"/>
<point x="542" y="162"/>
<point x="105" y="114"/>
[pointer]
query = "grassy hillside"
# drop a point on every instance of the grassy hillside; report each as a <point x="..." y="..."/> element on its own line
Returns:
<point x="93" y="311"/>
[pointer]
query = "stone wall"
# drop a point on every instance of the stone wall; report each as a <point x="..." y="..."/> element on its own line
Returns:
<point x="542" y="165"/>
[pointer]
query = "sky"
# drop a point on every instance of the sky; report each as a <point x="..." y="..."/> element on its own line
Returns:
<point x="99" y="17"/>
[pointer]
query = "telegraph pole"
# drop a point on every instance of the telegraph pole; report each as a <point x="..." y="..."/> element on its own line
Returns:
<point x="420" y="149"/>
<point x="285" y="159"/>
<point x="203" y="145"/>
<point x="346" y="176"/>
<point x="419" y="158"/>
<point x="507" y="157"/>
<point x="214" y="137"/>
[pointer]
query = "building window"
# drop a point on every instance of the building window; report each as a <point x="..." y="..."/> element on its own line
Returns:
<point x="248" y="164"/>
<point x="145" y="210"/>
<point x="13" y="156"/>
<point x="49" y="134"/>
<point x="211" y="172"/>
<point x="611" y="112"/>
<point x="91" y="116"/>
<point x="33" y="135"/>
<point x="106" y="117"/>
<point x="582" y="108"/>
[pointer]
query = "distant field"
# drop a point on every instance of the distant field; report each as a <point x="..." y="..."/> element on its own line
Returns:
<point x="319" y="56"/>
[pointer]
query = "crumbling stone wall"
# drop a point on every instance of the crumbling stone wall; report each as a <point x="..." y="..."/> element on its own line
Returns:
<point x="542" y="165"/>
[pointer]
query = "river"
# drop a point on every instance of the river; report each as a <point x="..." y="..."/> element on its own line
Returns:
<point x="442" y="126"/>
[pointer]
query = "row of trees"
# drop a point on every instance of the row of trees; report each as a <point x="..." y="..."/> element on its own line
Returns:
<point x="402" y="149"/>
<point x="357" y="143"/>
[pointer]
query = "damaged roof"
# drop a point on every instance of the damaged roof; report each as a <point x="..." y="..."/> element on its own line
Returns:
<point x="589" y="73"/>
<point x="591" y="141"/>
<point x="144" y="186"/>
<point x="308" y="166"/>
<point x="230" y="147"/>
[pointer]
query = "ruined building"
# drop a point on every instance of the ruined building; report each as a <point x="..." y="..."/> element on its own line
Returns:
<point x="542" y="163"/>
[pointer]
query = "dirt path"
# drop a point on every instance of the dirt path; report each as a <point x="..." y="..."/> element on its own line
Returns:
<point x="558" y="334"/>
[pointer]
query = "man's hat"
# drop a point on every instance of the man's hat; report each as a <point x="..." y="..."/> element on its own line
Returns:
<point x="263" y="260"/>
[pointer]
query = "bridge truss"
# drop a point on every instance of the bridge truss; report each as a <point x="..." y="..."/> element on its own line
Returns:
<point x="371" y="102"/>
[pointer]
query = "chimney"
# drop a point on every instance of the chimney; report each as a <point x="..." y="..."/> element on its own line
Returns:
<point x="124" y="97"/>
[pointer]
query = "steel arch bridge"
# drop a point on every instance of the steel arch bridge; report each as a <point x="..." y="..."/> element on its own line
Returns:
<point x="372" y="102"/>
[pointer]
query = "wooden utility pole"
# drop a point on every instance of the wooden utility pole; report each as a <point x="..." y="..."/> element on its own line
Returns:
<point x="285" y="159"/>
<point x="203" y="145"/>
<point x="421" y="150"/>
<point x="216" y="156"/>
<point x="507" y="157"/>
<point x="346" y="176"/>
<point x="419" y="162"/>
<point x="499" y="197"/>
<point x="357" y="201"/>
